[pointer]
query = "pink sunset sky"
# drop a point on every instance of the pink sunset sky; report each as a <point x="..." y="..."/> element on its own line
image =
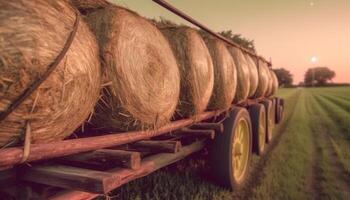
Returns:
<point x="288" y="32"/>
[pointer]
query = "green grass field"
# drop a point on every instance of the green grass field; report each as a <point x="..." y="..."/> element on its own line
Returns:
<point x="310" y="158"/>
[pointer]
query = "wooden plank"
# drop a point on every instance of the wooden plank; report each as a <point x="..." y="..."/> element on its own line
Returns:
<point x="159" y="146"/>
<point x="104" y="159"/>
<point x="218" y="127"/>
<point x="129" y="159"/>
<point x="13" y="155"/>
<point x="70" y="178"/>
<point x="75" y="195"/>
<point x="186" y="131"/>
<point x="148" y="165"/>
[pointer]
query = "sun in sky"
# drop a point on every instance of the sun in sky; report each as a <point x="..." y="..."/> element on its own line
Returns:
<point x="314" y="59"/>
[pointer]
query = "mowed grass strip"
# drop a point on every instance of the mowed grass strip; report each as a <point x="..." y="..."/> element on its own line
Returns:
<point x="337" y="113"/>
<point x="343" y="91"/>
<point x="290" y="162"/>
<point x="259" y="163"/>
<point x="344" y="104"/>
<point x="336" y="122"/>
<point x="333" y="176"/>
<point x="286" y="93"/>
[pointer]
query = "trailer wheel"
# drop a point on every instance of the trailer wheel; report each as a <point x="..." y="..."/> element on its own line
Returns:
<point x="258" y="119"/>
<point x="279" y="109"/>
<point x="231" y="151"/>
<point x="282" y="108"/>
<point x="270" y="118"/>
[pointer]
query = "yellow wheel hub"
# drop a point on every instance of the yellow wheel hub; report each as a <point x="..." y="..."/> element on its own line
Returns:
<point x="240" y="153"/>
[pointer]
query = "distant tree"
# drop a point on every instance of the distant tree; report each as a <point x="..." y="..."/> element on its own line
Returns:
<point x="285" y="78"/>
<point x="239" y="39"/>
<point x="318" y="76"/>
<point x="301" y="84"/>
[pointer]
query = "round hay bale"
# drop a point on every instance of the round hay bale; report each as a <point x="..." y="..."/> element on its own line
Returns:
<point x="263" y="78"/>
<point x="270" y="84"/>
<point x="225" y="75"/>
<point x="141" y="77"/>
<point x="253" y="75"/>
<point x="89" y="5"/>
<point x="275" y="82"/>
<point x="243" y="74"/>
<point x="196" y="69"/>
<point x="32" y="35"/>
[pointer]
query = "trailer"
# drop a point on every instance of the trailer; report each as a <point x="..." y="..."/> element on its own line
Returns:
<point x="85" y="168"/>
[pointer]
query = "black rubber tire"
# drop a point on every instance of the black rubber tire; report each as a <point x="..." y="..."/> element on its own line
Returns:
<point x="268" y="104"/>
<point x="274" y="110"/>
<point x="222" y="148"/>
<point x="281" y="102"/>
<point x="279" y="110"/>
<point x="257" y="116"/>
<point x="282" y="109"/>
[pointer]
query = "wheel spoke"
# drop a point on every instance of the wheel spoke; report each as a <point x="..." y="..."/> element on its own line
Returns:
<point x="238" y="132"/>
<point x="241" y="135"/>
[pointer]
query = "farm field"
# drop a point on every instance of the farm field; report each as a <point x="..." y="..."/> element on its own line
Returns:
<point x="308" y="159"/>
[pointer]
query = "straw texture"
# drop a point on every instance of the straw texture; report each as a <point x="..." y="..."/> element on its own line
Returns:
<point x="32" y="34"/>
<point x="141" y="77"/>
<point x="270" y="84"/>
<point x="243" y="74"/>
<point x="225" y="74"/>
<point x="196" y="69"/>
<point x="275" y="82"/>
<point x="263" y="79"/>
<point x="253" y="77"/>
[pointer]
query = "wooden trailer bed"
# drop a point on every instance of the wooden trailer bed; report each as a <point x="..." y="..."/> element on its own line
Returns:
<point x="85" y="168"/>
<point x="88" y="167"/>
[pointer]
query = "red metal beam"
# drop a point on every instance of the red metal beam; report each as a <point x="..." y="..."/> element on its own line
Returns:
<point x="188" y="18"/>
<point x="12" y="156"/>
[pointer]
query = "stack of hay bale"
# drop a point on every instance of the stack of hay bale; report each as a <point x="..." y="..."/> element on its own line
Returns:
<point x="141" y="76"/>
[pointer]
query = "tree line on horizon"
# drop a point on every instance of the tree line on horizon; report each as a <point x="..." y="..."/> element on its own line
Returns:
<point x="316" y="76"/>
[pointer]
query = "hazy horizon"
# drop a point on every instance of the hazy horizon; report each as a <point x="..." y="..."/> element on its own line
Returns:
<point x="288" y="32"/>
